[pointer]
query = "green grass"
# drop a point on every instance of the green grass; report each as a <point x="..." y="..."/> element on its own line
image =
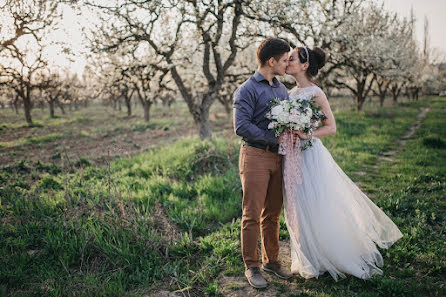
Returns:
<point x="85" y="230"/>
<point x="32" y="140"/>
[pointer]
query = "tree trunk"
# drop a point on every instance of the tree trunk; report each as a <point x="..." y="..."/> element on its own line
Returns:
<point x="62" y="109"/>
<point x="129" y="107"/>
<point x="200" y="112"/>
<point x="395" y="96"/>
<point x="201" y="119"/>
<point x="15" y="104"/>
<point x="146" y="105"/>
<point x="359" y="101"/>
<point x="408" y="94"/>
<point x="395" y="93"/>
<point x="205" y="125"/>
<point x="51" y="104"/>
<point x="27" y="107"/>
<point x="359" y="94"/>
<point x="382" y="97"/>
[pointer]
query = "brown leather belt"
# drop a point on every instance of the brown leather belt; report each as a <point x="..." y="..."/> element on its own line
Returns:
<point x="267" y="147"/>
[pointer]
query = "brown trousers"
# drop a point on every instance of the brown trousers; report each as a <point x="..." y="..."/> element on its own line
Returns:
<point x="261" y="177"/>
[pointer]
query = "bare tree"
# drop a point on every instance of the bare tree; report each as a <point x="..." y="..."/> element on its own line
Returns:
<point x="370" y="52"/>
<point x="57" y="89"/>
<point x="22" y="78"/>
<point x="180" y="33"/>
<point x="382" y="88"/>
<point x="24" y="18"/>
<point x="118" y="82"/>
<point x="148" y="83"/>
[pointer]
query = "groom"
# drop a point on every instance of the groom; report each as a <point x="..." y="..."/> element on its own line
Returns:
<point x="260" y="164"/>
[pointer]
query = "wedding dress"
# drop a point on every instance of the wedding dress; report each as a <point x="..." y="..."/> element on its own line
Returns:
<point x="333" y="226"/>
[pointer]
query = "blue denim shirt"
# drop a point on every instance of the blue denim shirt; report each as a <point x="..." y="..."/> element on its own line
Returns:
<point x="251" y="103"/>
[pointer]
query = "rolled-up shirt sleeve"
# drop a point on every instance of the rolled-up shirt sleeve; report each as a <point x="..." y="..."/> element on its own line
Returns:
<point x="244" y="107"/>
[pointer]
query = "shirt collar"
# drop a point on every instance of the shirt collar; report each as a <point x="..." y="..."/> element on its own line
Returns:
<point x="259" y="77"/>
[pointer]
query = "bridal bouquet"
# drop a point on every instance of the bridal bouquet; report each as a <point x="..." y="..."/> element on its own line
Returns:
<point x="294" y="114"/>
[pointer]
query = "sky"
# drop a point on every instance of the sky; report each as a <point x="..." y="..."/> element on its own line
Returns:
<point x="69" y="32"/>
<point x="435" y="10"/>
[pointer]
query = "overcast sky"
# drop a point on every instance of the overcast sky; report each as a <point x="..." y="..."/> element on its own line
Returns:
<point x="434" y="10"/>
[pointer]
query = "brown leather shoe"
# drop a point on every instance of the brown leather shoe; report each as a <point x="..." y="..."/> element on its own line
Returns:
<point x="277" y="269"/>
<point x="255" y="278"/>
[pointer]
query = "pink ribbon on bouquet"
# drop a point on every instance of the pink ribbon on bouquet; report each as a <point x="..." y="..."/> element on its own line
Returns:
<point x="292" y="171"/>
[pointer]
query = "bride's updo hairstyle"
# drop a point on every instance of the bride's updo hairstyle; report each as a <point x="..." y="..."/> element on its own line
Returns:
<point x="315" y="57"/>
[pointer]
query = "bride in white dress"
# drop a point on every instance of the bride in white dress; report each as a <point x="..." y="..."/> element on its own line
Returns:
<point x="333" y="226"/>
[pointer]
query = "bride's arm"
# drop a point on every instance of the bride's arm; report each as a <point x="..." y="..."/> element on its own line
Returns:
<point x="329" y="124"/>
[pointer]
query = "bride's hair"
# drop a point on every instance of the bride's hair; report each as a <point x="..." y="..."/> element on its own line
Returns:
<point x="315" y="57"/>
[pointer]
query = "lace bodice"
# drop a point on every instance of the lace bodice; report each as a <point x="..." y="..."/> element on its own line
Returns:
<point x="304" y="93"/>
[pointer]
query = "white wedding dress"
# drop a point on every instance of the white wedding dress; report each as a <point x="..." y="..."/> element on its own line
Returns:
<point x="333" y="226"/>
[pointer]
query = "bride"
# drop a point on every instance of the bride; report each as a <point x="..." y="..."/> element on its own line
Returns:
<point x="333" y="226"/>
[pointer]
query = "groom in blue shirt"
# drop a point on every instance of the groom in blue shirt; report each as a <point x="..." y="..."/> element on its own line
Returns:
<point x="259" y="163"/>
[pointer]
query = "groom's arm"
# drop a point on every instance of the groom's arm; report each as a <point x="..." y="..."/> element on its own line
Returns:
<point x="244" y="110"/>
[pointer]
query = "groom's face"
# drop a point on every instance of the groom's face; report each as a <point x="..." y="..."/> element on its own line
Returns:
<point x="279" y="66"/>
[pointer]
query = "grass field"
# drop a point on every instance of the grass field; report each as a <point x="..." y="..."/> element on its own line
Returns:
<point x="99" y="133"/>
<point x="168" y="217"/>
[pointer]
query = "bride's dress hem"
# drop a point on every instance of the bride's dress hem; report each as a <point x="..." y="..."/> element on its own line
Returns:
<point x="334" y="227"/>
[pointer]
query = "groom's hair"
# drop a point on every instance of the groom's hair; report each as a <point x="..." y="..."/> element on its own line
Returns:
<point x="271" y="48"/>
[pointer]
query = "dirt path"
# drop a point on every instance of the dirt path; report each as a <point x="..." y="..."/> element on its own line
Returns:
<point x="388" y="156"/>
<point x="97" y="149"/>
<point x="234" y="286"/>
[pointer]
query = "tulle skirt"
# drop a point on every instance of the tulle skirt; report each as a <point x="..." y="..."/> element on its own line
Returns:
<point x="333" y="226"/>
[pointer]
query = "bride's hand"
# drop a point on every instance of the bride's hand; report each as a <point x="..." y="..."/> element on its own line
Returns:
<point x="301" y="134"/>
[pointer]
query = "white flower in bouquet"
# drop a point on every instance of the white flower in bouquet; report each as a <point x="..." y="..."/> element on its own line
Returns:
<point x="294" y="118"/>
<point x="273" y="125"/>
<point x="306" y="119"/>
<point x="276" y="110"/>
<point x="309" y="112"/>
<point x="283" y="118"/>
